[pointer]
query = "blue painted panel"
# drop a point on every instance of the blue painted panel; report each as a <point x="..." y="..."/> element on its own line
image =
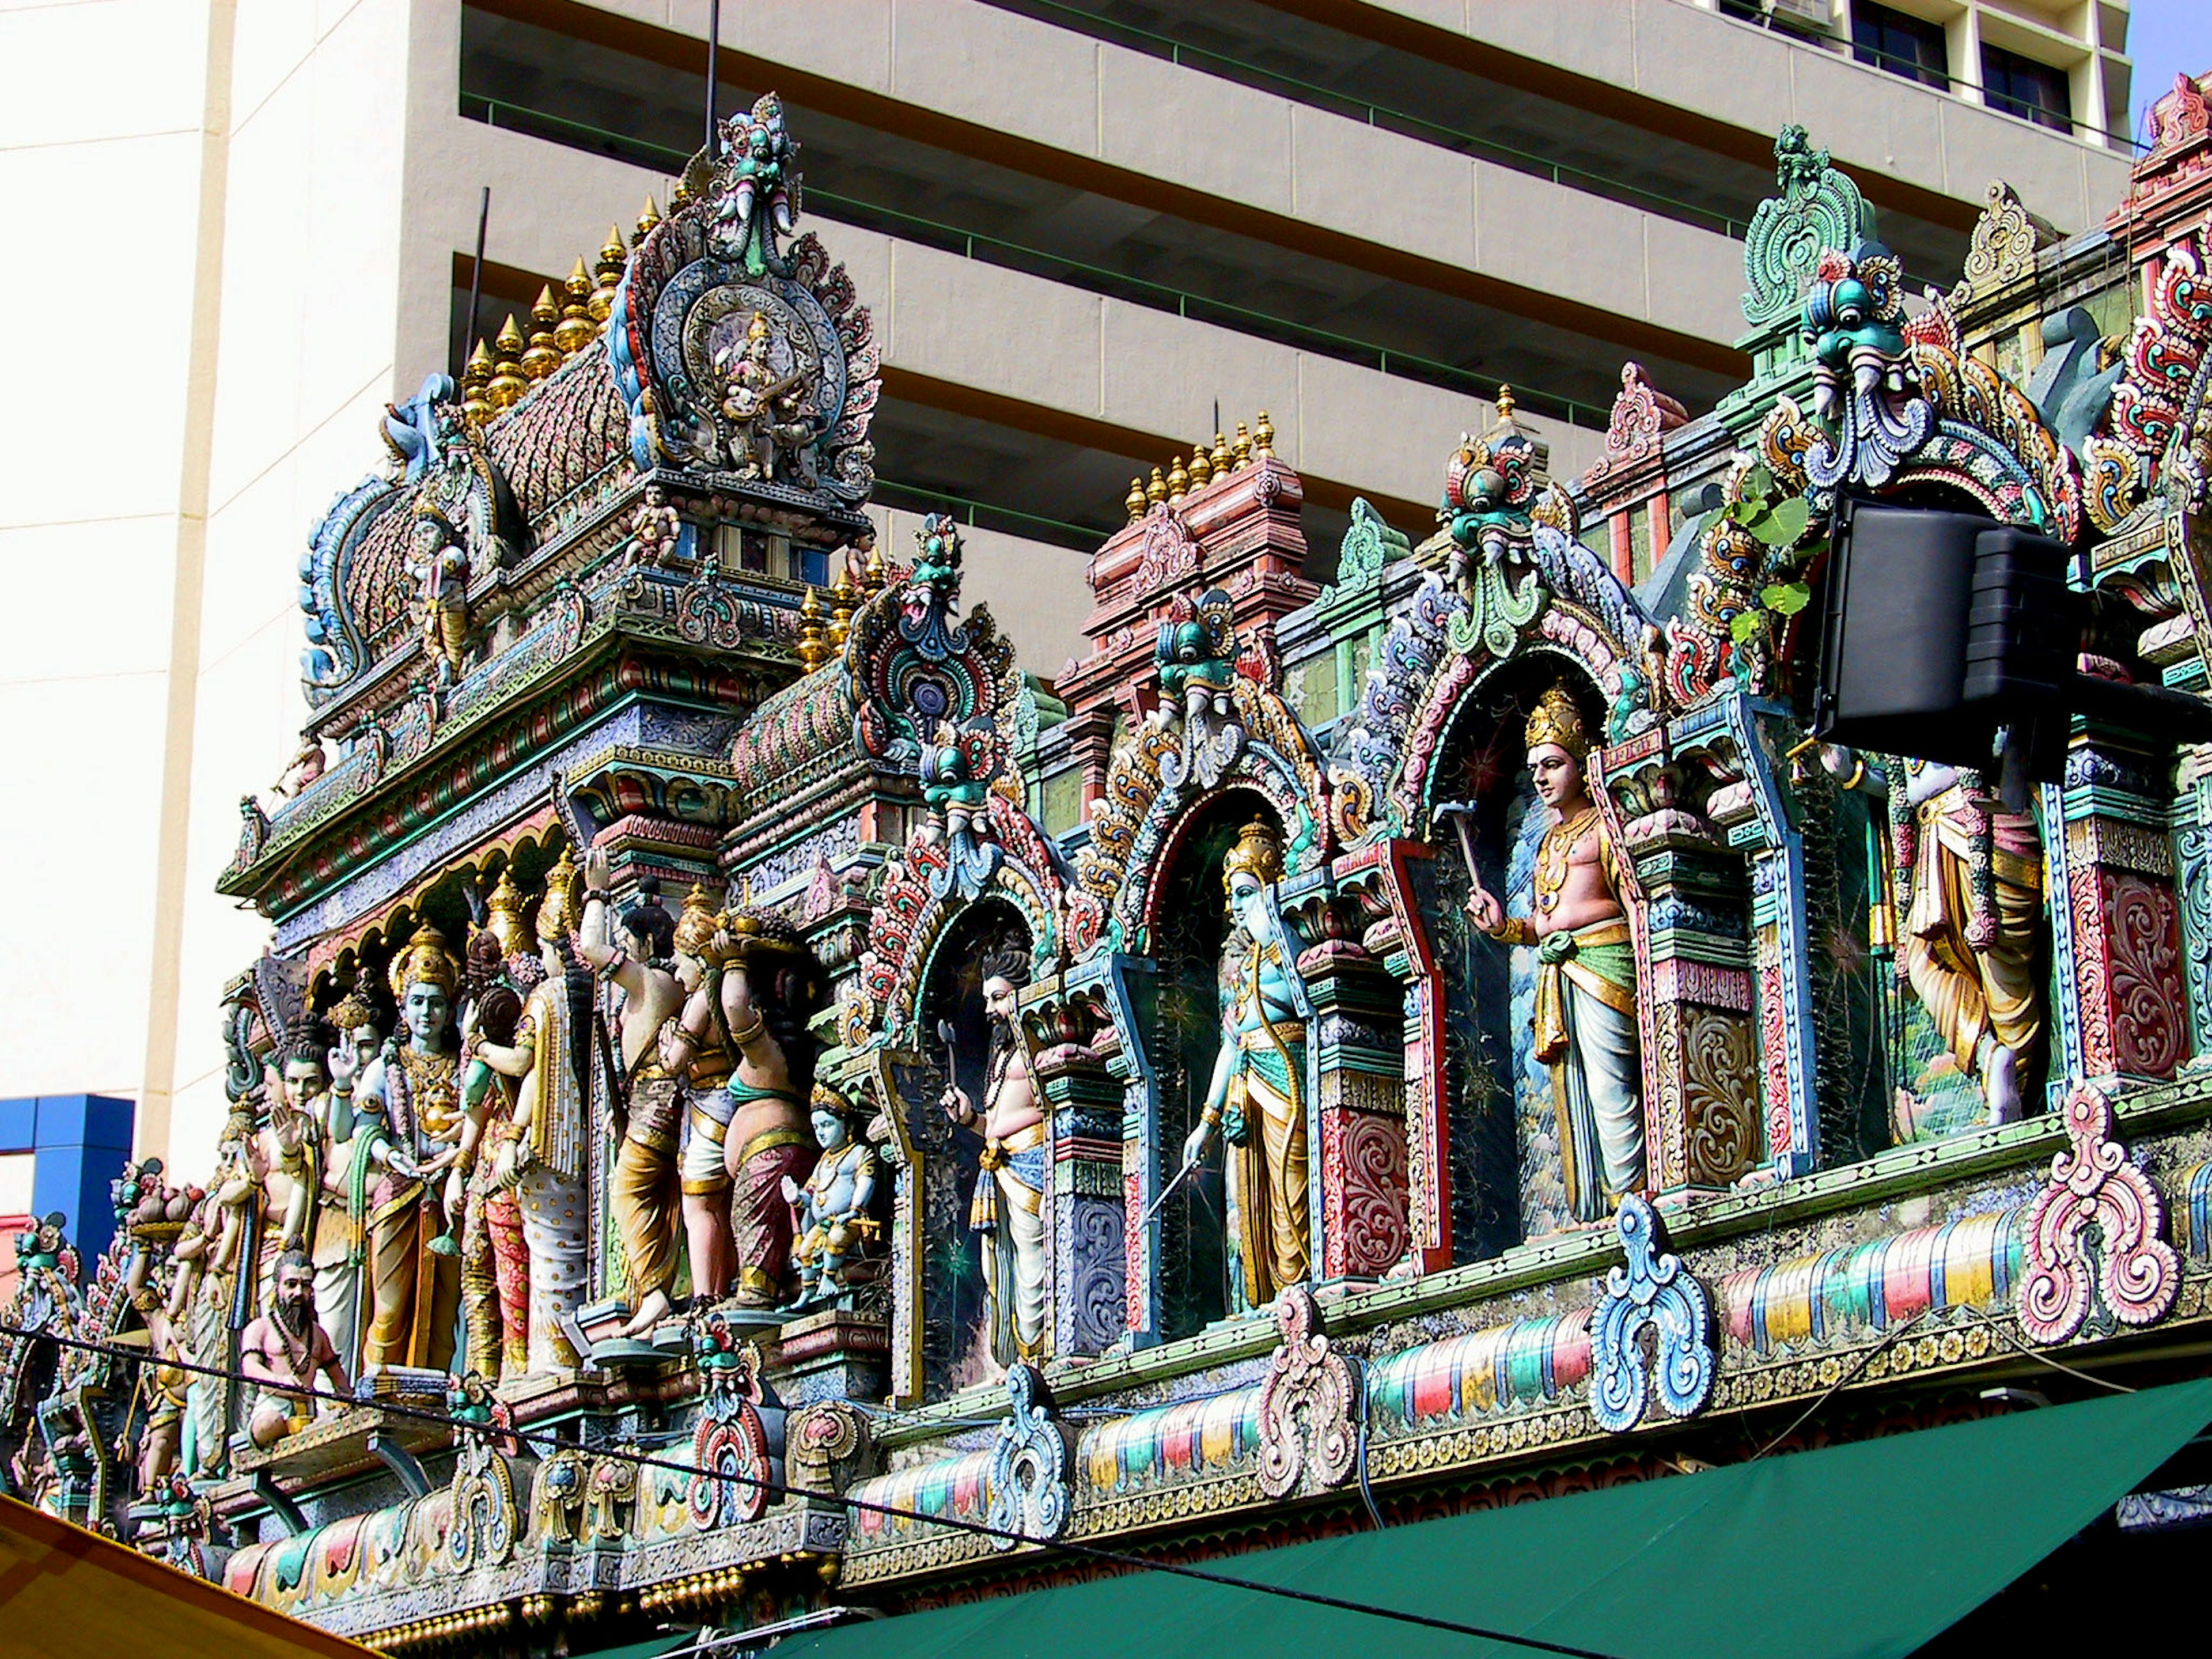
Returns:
<point x="99" y="1120"/>
<point x="19" y="1125"/>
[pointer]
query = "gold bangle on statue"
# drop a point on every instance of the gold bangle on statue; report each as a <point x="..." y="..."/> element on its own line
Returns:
<point x="741" y="1035"/>
<point x="1211" y="1116"/>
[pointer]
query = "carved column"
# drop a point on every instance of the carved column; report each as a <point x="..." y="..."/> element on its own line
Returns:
<point x="1692" y="919"/>
<point x="1125" y="990"/>
<point x="1083" y="1230"/>
<point x="2121" y="1012"/>
<point x="1356" y="1118"/>
<point x="2192" y="842"/>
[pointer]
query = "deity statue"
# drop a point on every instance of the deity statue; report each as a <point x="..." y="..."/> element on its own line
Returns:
<point x="1968" y="946"/>
<point x="166" y="1384"/>
<point x="694" y="1052"/>
<point x="494" y="1255"/>
<point x="412" y="1092"/>
<point x="337" y="1242"/>
<point x="763" y="407"/>
<point x="767" y="991"/>
<point x="1257" y="1099"/>
<point x="647" y="1192"/>
<point x="551" y="1058"/>
<point x="286" y="1355"/>
<point x="439" y="559"/>
<point x="1008" y="1208"/>
<point x="654" y="531"/>
<point x="1585" y="1017"/>
<point x="832" y="1220"/>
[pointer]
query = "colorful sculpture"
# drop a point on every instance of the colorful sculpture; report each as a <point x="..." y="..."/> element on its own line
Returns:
<point x="289" y="1356"/>
<point x="833" y="1223"/>
<point x="1008" y="1208"/>
<point x="1585" y="1014"/>
<point x="1256" y="1101"/>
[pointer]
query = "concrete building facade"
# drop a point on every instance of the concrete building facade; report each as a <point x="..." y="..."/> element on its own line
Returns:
<point x="1090" y="232"/>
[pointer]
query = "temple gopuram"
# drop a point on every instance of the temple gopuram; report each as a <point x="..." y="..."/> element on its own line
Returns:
<point x="705" y="1155"/>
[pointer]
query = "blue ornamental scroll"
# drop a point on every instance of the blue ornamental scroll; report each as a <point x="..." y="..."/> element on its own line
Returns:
<point x="1649" y="1290"/>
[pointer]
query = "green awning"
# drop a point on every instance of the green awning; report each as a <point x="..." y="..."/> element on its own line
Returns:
<point x="1866" y="1550"/>
<point x="651" y="1648"/>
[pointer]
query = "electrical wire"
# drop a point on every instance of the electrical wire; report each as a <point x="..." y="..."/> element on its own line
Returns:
<point x="778" y="1490"/>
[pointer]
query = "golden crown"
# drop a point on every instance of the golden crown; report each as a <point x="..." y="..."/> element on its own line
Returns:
<point x="1556" y="719"/>
<point x="350" y="1013"/>
<point x="695" y="928"/>
<point x="757" y="329"/>
<point x="426" y="961"/>
<point x="1258" y="853"/>
<point x="556" y="911"/>
<point x="503" y="912"/>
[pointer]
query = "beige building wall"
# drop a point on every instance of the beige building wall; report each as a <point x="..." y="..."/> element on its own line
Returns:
<point x="112" y="117"/>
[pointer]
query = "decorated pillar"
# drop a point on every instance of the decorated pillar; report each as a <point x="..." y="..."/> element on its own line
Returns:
<point x="1667" y="791"/>
<point x="1072" y="1033"/>
<point x="2115" y="915"/>
<point x="1357" y="1089"/>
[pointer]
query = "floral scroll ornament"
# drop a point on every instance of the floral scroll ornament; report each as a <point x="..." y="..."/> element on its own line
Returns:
<point x="1490" y="484"/>
<point x="1028" y="1481"/>
<point x="729" y="1449"/>
<point x="2131" y="1270"/>
<point x="1306" y="1436"/>
<point x="1650" y="1290"/>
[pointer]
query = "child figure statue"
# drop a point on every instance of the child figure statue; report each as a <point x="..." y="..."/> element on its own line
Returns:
<point x="831" y="1210"/>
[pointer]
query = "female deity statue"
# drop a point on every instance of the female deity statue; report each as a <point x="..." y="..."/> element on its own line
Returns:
<point x="1969" y="945"/>
<point x="551" y="1060"/>
<point x="494" y="1255"/>
<point x="1257" y="1099"/>
<point x="646" y="1192"/>
<point x="338" y="1242"/>
<point x="766" y="993"/>
<point x="694" y="1053"/>
<point x="1585" y="1017"/>
<point x="1008" y="1209"/>
<point x="832" y="1218"/>
<point x="412" y="1091"/>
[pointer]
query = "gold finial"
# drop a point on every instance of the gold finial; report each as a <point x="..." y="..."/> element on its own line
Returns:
<point x="1258" y="853"/>
<point x="556" y="911"/>
<point x="1135" y="500"/>
<point x="1506" y="404"/>
<point x="1263" y="435"/>
<point x="1202" y="469"/>
<point x="842" y="598"/>
<point x="873" y="578"/>
<point x="574" y="330"/>
<point x="476" y="383"/>
<point x="503" y="913"/>
<point x="1157" y="492"/>
<point x="813" y="644"/>
<point x="606" y="275"/>
<point x="1221" y="458"/>
<point x="1556" y="719"/>
<point x="645" y="221"/>
<point x="543" y="356"/>
<point x="695" y="928"/>
<point x="506" y="382"/>
<point x="1178" y="480"/>
<point x="1240" y="452"/>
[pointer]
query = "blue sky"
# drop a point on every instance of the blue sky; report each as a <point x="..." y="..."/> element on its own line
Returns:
<point x="2167" y="38"/>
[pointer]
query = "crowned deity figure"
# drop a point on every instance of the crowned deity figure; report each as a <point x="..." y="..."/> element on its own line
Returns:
<point x="695" y="1053"/>
<point x="1585" y="1017"/>
<point x="1968" y="946"/>
<point x="762" y="406"/>
<point x="1257" y="1099"/>
<point x="337" y="1240"/>
<point x="480" y="1187"/>
<point x="765" y="992"/>
<point x="288" y="1355"/>
<point x="832" y="1219"/>
<point x="647" y="1190"/>
<point x="411" y="1093"/>
<point x="1008" y="1208"/>
<point x="440" y="559"/>
<point x="550" y="1060"/>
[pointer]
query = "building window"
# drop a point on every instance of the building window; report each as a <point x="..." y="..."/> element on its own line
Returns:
<point x="2020" y="86"/>
<point x="1899" y="45"/>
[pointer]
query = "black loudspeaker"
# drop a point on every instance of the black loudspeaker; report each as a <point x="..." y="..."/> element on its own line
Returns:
<point x="1943" y="634"/>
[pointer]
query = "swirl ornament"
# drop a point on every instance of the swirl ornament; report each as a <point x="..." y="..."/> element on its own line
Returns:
<point x="483" y="1530"/>
<point x="2133" y="1272"/>
<point x="1649" y="1290"/>
<point x="1027" y="1477"/>
<point x="729" y="1449"/>
<point x="1818" y="207"/>
<point x="1307" y="1439"/>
